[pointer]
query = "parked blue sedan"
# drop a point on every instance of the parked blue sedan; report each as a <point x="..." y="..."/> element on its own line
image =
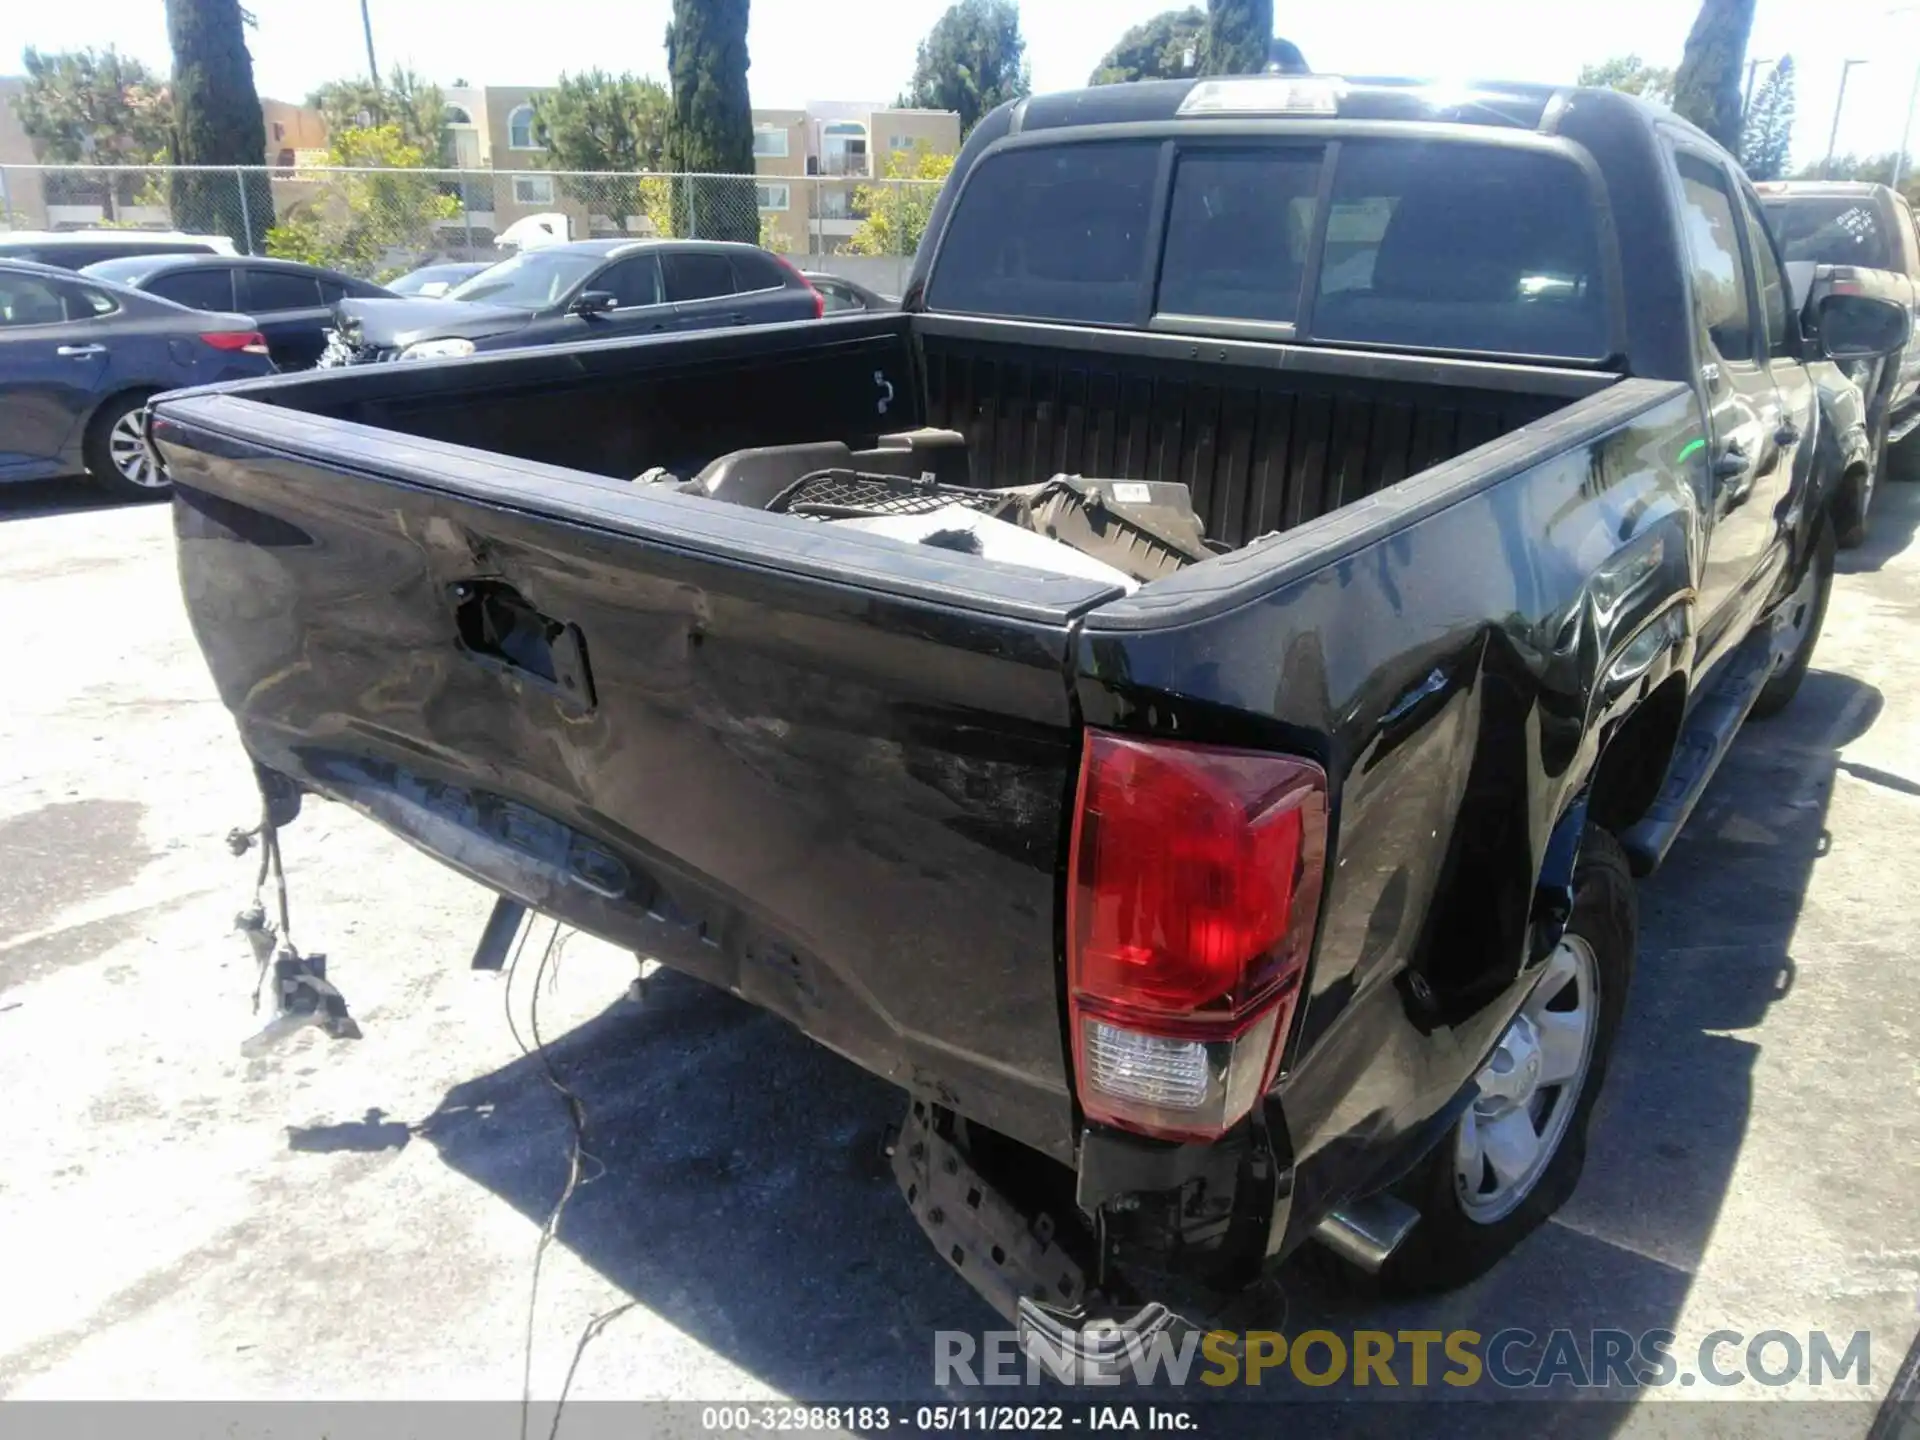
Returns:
<point x="80" y="358"/>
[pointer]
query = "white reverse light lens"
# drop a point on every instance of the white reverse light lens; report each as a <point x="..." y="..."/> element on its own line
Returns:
<point x="1147" y="1069"/>
<point x="437" y="349"/>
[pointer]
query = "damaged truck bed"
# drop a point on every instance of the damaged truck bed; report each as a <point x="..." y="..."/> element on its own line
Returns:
<point x="1181" y="699"/>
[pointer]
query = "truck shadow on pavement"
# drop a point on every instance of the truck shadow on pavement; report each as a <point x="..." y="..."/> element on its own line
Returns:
<point x="1891" y="523"/>
<point x="739" y="1190"/>
<point x="31" y="499"/>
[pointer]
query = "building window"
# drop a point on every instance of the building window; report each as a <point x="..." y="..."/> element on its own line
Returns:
<point x="533" y="190"/>
<point x="835" y="205"/>
<point x="520" y="129"/>
<point x="770" y="142"/>
<point x="457" y="115"/>
<point x="279" y="132"/>
<point x="902" y="142"/>
<point x="772" y="197"/>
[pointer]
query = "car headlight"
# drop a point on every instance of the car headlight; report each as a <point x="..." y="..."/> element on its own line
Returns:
<point x="436" y="349"/>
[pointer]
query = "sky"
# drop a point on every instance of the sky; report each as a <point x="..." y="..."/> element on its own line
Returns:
<point x="864" y="49"/>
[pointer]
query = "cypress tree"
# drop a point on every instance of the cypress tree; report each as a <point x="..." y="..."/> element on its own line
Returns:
<point x="217" y="121"/>
<point x="1706" y="88"/>
<point x="712" y="129"/>
<point x="1767" y="145"/>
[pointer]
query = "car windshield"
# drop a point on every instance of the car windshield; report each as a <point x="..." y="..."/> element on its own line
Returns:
<point x="1831" y="230"/>
<point x="528" y="281"/>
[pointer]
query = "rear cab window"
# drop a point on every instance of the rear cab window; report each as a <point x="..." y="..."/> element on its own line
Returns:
<point x="1052" y="233"/>
<point x="1238" y="234"/>
<point x="1432" y="245"/>
<point x="1496" y="251"/>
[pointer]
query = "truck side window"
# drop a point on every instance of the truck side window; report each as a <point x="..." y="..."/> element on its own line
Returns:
<point x="1238" y="233"/>
<point x="1721" y="292"/>
<point x="1773" y="288"/>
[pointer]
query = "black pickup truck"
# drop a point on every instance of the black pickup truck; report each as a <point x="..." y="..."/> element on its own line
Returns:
<point x="1450" y="485"/>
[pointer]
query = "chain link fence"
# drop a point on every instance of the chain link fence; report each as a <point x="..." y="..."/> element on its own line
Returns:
<point x="378" y="224"/>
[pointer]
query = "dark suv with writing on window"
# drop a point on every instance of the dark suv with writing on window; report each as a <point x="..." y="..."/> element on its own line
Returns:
<point x="583" y="290"/>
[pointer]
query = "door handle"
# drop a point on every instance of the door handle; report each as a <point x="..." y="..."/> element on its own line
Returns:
<point x="736" y="319"/>
<point x="80" y="352"/>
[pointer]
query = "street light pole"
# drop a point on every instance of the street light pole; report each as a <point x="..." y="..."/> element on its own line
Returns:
<point x="373" y="66"/>
<point x="1906" y="134"/>
<point x="1913" y="99"/>
<point x="1833" y="136"/>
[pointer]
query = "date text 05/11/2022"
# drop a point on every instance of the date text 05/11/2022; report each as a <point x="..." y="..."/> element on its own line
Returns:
<point x="739" y="1419"/>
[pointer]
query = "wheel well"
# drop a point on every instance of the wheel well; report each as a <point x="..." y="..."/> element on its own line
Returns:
<point x="1635" y="761"/>
<point x="107" y="402"/>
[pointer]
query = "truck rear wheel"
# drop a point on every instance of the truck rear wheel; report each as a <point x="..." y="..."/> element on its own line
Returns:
<point x="1515" y="1156"/>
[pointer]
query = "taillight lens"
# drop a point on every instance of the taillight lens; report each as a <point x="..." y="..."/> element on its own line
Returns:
<point x="250" y="341"/>
<point x="1194" y="884"/>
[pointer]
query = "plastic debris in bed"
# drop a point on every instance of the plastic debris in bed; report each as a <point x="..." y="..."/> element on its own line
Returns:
<point x="967" y="531"/>
<point x="849" y="494"/>
<point x="1144" y="529"/>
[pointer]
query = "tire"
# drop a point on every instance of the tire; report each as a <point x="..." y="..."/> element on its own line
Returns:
<point x="117" y="461"/>
<point x="1468" y="1225"/>
<point x="1901" y="462"/>
<point x="1810" y="599"/>
<point x="1851" y="508"/>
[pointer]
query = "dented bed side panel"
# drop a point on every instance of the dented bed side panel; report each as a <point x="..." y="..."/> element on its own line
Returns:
<point x="1455" y="653"/>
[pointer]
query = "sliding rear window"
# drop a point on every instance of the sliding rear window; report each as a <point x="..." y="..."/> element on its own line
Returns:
<point x="1437" y="245"/>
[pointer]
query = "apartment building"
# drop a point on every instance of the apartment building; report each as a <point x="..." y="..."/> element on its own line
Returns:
<point x="811" y="163"/>
<point x="32" y="199"/>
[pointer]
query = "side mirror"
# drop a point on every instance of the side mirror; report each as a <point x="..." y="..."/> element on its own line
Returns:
<point x="1860" y="327"/>
<point x="590" y="303"/>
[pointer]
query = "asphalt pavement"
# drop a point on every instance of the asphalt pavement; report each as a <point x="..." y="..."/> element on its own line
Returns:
<point x="360" y="1219"/>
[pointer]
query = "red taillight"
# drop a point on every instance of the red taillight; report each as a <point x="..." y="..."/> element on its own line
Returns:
<point x="1194" y="884"/>
<point x="819" y="300"/>
<point x="251" y="341"/>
